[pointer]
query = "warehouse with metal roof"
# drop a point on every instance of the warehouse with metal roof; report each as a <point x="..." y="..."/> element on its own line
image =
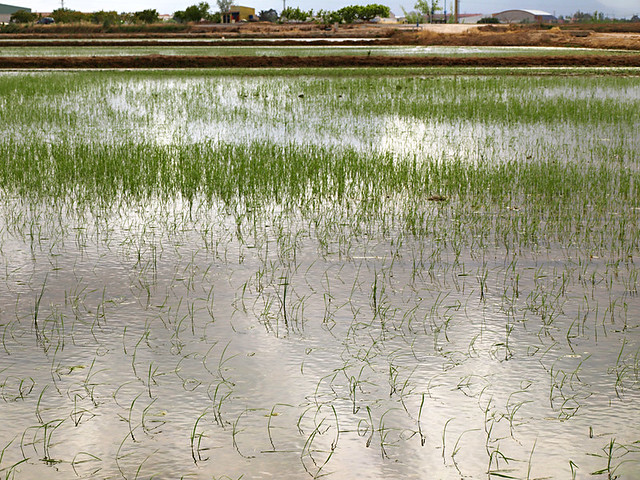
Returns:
<point x="524" y="16"/>
<point x="7" y="10"/>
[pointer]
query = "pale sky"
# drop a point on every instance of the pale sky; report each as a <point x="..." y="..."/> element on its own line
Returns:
<point x="615" y="8"/>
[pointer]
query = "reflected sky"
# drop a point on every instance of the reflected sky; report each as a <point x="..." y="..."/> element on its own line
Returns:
<point x="153" y="338"/>
<point x="417" y="51"/>
<point x="305" y="112"/>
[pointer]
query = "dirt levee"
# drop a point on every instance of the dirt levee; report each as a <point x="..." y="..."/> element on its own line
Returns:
<point x="579" y="35"/>
<point x="175" y="61"/>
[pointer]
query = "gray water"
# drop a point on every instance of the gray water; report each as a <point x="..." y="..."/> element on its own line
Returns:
<point x="153" y="347"/>
<point x="162" y="339"/>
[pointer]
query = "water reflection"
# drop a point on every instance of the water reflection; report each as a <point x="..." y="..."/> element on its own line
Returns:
<point x="153" y="339"/>
<point x="230" y="110"/>
<point x="277" y="50"/>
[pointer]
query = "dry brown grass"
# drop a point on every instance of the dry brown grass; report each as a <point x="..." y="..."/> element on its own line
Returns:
<point x="522" y="37"/>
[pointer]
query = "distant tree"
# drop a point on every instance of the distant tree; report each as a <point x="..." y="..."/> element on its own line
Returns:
<point x="428" y="8"/>
<point x="584" y="17"/>
<point x="352" y="13"/>
<point x="296" y="14"/>
<point x="581" y="17"/>
<point x="635" y="18"/>
<point x="22" y="16"/>
<point x="146" y="16"/>
<point x="373" y="10"/>
<point x="104" y="18"/>
<point x="268" y="15"/>
<point x="65" y="15"/>
<point x="328" y="17"/>
<point x="488" y="20"/>
<point x="203" y="8"/>
<point x="194" y="13"/>
<point x="224" y="5"/>
<point x="127" y="18"/>
<point x="349" y="13"/>
<point x="413" y="17"/>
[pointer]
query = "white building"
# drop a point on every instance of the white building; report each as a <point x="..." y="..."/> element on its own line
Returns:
<point x="524" y="16"/>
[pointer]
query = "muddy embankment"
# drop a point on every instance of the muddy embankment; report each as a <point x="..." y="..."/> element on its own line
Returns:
<point x="186" y="43"/>
<point x="260" y="34"/>
<point x="483" y="36"/>
<point x="175" y="61"/>
<point x="505" y="36"/>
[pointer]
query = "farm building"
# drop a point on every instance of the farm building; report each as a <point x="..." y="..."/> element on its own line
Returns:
<point x="524" y="16"/>
<point x="462" y="17"/>
<point x="7" y="10"/>
<point x="239" y="14"/>
<point x="470" y="17"/>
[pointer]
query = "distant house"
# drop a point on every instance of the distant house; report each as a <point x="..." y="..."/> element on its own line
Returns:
<point x="525" y="16"/>
<point x="239" y="14"/>
<point x="7" y="10"/>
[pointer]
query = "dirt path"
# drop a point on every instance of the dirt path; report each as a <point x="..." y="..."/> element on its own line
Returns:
<point x="450" y="28"/>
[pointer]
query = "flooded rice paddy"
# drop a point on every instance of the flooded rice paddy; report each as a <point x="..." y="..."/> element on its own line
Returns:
<point x="225" y="276"/>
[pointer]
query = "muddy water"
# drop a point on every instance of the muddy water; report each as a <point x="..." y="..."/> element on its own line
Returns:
<point x="154" y="338"/>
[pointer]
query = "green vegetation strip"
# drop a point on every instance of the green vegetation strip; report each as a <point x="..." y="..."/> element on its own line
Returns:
<point x="544" y="196"/>
<point x="263" y="170"/>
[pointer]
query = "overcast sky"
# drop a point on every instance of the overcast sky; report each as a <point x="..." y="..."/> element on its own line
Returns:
<point x="617" y="8"/>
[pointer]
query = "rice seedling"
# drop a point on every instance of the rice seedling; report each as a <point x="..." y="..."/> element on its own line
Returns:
<point x="196" y="441"/>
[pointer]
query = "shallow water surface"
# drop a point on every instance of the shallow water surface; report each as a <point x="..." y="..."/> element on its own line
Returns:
<point x="295" y="50"/>
<point x="294" y="325"/>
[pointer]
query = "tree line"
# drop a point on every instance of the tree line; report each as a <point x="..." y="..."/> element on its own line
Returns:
<point x="424" y="10"/>
<point x="349" y="14"/>
<point x="201" y="11"/>
<point x="106" y="18"/>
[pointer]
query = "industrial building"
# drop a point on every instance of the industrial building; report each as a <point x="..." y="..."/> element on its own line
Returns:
<point x="7" y="10"/>
<point x="462" y="17"/>
<point x="239" y="14"/>
<point x="525" y="16"/>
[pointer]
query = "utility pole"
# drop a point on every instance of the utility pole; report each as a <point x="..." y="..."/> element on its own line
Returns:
<point x="284" y="5"/>
<point x="457" y="10"/>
